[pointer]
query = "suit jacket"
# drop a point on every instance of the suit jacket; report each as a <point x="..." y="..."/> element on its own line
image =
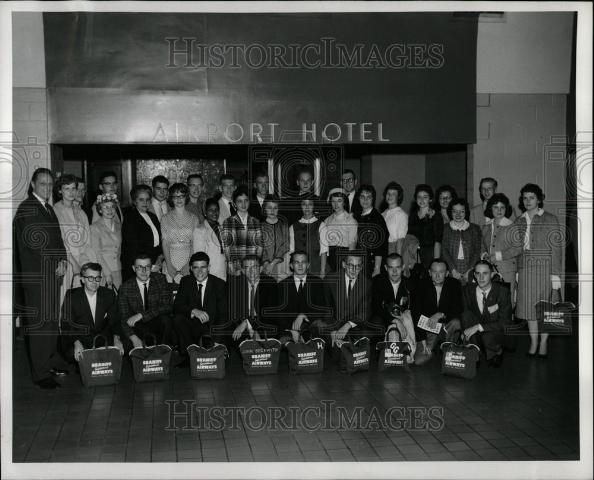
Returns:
<point x="206" y="240"/>
<point x="354" y="207"/>
<point x="137" y="237"/>
<point x="499" y="309"/>
<point x="130" y="300"/>
<point x="215" y="299"/>
<point x="356" y="307"/>
<point x="312" y="302"/>
<point x="255" y="209"/>
<point x="266" y="296"/>
<point x="384" y="293"/>
<point x="77" y="318"/>
<point x="424" y="299"/>
<point x="37" y="238"/>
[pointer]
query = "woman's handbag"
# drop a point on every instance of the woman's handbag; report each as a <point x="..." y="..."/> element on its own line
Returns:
<point x="207" y="362"/>
<point x="151" y="363"/>
<point x="459" y="359"/>
<point x="556" y="318"/>
<point x="100" y="366"/>
<point x="306" y="357"/>
<point x="260" y="357"/>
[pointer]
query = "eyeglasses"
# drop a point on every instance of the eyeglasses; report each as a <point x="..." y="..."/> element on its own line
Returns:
<point x="353" y="266"/>
<point x="144" y="268"/>
<point x="94" y="279"/>
<point x="348" y="180"/>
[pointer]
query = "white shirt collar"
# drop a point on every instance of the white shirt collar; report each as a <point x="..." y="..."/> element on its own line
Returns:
<point x="311" y="220"/>
<point x="464" y="226"/>
<point x="43" y="202"/>
<point x="347" y="279"/>
<point x="141" y="284"/>
<point x="539" y="212"/>
<point x="203" y="282"/>
<point x="299" y="280"/>
<point x="243" y="217"/>
<point x="479" y="291"/>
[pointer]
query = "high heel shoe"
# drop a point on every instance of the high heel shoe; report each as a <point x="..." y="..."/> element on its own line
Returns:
<point x="531" y="355"/>
<point x="544" y="356"/>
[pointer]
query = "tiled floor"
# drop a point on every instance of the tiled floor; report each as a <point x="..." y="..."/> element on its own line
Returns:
<point x="527" y="410"/>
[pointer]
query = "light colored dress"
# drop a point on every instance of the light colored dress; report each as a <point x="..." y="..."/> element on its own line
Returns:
<point x="177" y="232"/>
<point x="397" y="223"/>
<point x="76" y="234"/>
<point x="107" y="245"/>
<point x="206" y="240"/>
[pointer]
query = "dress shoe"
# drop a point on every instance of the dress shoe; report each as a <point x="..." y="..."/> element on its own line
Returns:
<point x="48" y="384"/>
<point x="58" y="372"/>
<point x="496" y="361"/>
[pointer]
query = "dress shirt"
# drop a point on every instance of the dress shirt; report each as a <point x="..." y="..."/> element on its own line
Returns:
<point x="147" y="219"/>
<point x="43" y="202"/>
<point x="479" y="296"/>
<point x="438" y="289"/>
<point x="298" y="281"/>
<point x="351" y="197"/>
<point x="348" y="280"/>
<point x="460" y="227"/>
<point x="203" y="283"/>
<point x="141" y="287"/>
<point x="243" y="217"/>
<point x="92" y="298"/>
<point x="160" y="207"/>
<point x="395" y="287"/>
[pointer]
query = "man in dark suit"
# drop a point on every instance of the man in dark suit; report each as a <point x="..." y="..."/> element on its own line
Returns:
<point x="145" y="303"/>
<point x="487" y="309"/>
<point x="391" y="302"/>
<point x="349" y="295"/>
<point x="200" y="305"/>
<point x="259" y="192"/>
<point x="349" y="185"/>
<point x="302" y="297"/>
<point x="40" y="265"/>
<point x="439" y="298"/>
<point x="251" y="296"/>
<point x="89" y="311"/>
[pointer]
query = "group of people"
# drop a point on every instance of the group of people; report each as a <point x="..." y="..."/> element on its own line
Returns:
<point x="189" y="269"/>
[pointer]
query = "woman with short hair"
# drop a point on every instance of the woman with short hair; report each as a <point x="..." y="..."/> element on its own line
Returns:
<point x="106" y="239"/>
<point x="177" y="228"/>
<point x="539" y="264"/>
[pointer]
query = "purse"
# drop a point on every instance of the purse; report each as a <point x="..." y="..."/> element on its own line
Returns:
<point x="260" y="357"/>
<point x="459" y="359"/>
<point x="392" y="353"/>
<point x="100" y="366"/>
<point x="207" y="362"/>
<point x="151" y="363"/>
<point x="306" y="357"/>
<point x="354" y="355"/>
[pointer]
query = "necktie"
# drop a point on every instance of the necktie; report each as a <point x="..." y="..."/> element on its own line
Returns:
<point x="350" y="289"/>
<point x="146" y="298"/>
<point x="199" y="296"/>
<point x="49" y="210"/>
<point x="485" y="312"/>
<point x="232" y="208"/>
<point x="252" y="301"/>
<point x="119" y="212"/>
<point x="300" y="289"/>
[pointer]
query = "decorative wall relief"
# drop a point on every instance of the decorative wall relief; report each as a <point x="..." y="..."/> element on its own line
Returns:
<point x="177" y="170"/>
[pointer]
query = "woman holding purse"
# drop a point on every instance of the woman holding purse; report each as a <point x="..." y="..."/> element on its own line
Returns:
<point x="539" y="265"/>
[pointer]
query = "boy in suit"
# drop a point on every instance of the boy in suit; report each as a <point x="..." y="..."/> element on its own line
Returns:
<point x="200" y="305"/>
<point x="487" y="309"/>
<point x="251" y="295"/>
<point x="145" y="302"/>
<point x="88" y="311"/>
<point x="391" y="302"/>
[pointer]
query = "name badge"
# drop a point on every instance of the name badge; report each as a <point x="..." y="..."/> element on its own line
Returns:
<point x="493" y="308"/>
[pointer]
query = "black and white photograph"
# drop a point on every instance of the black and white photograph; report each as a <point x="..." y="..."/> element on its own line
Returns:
<point x="296" y="239"/>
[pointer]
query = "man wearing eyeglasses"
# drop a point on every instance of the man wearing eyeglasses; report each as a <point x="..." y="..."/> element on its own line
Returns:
<point x="146" y="302"/>
<point x="349" y="186"/>
<point x="108" y="183"/>
<point x="88" y="311"/>
<point x="349" y="292"/>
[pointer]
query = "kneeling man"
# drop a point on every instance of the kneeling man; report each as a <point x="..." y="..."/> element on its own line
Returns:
<point x="200" y="305"/>
<point x="487" y="309"/>
<point x="88" y="311"/>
